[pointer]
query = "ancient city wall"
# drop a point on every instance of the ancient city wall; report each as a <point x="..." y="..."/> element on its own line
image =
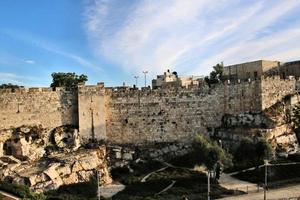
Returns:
<point x="91" y="112"/>
<point x="36" y="106"/>
<point x="127" y="115"/>
<point x="165" y="115"/>
<point x="273" y="89"/>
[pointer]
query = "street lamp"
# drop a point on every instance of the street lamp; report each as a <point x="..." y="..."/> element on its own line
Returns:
<point x="266" y="179"/>
<point x="145" y="73"/>
<point x="136" y="80"/>
<point x="98" y="174"/>
<point x="208" y="184"/>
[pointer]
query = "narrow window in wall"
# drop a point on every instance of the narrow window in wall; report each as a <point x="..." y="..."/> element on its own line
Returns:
<point x="255" y="75"/>
<point x="247" y="75"/>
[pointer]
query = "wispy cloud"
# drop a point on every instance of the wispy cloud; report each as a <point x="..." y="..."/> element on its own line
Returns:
<point x="191" y="36"/>
<point x="31" y="62"/>
<point x="48" y="46"/>
<point x="10" y="78"/>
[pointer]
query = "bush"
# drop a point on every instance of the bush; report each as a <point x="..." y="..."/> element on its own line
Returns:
<point x="210" y="153"/>
<point x="249" y="153"/>
<point x="21" y="191"/>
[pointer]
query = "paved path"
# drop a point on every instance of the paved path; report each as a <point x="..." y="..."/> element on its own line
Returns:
<point x="9" y="196"/>
<point x="273" y="194"/>
<point x="112" y="189"/>
<point x="231" y="183"/>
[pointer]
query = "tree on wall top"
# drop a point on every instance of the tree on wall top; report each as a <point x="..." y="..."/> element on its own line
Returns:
<point x="68" y="80"/>
<point x="10" y="86"/>
<point x="216" y="75"/>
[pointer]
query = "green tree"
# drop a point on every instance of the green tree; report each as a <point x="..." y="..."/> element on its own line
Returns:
<point x="296" y="120"/>
<point x="68" y="80"/>
<point x="216" y="75"/>
<point x="9" y="85"/>
<point x="210" y="153"/>
<point x="250" y="153"/>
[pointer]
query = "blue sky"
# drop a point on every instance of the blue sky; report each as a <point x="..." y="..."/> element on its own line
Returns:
<point x="114" y="40"/>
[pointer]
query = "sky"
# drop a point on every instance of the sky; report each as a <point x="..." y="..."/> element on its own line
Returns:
<point x="112" y="41"/>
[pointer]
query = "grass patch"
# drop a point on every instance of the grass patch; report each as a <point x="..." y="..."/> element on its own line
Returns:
<point x="277" y="175"/>
<point x="188" y="183"/>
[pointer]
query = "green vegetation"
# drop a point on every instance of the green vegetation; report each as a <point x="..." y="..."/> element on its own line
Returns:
<point x="296" y="120"/>
<point x="21" y="191"/>
<point x="68" y="80"/>
<point x="10" y="86"/>
<point x="78" y="191"/>
<point x="209" y="153"/>
<point x="216" y="75"/>
<point x="192" y="184"/>
<point x="249" y="154"/>
<point x="277" y="175"/>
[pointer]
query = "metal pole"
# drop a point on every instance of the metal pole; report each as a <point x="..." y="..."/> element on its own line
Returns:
<point x="208" y="185"/>
<point x="98" y="188"/>
<point x="145" y="73"/>
<point x="266" y="180"/>
<point x="136" y="80"/>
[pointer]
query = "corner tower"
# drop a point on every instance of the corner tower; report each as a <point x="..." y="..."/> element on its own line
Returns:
<point x="91" y="112"/>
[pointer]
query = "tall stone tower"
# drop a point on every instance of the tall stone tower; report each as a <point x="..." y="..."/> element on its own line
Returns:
<point x="91" y="112"/>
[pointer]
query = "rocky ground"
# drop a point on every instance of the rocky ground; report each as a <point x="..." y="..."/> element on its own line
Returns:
<point x="46" y="163"/>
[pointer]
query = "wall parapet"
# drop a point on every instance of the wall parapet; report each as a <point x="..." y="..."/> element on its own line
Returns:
<point x="36" y="90"/>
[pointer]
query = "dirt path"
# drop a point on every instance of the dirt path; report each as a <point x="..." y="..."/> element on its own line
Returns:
<point x="9" y="196"/>
<point x="112" y="189"/>
<point x="231" y="183"/>
<point x="284" y="193"/>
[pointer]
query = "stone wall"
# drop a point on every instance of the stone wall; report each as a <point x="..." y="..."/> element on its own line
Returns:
<point x="175" y="114"/>
<point x="127" y="115"/>
<point x="91" y="112"/>
<point x="37" y="106"/>
<point x="274" y="89"/>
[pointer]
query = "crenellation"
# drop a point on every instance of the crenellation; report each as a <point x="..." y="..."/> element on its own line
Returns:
<point x="126" y="115"/>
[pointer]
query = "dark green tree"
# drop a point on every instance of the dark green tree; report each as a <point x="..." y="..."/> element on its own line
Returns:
<point x="216" y="75"/>
<point x="9" y="85"/>
<point x="68" y="80"/>
<point x="210" y="153"/>
<point x="296" y="120"/>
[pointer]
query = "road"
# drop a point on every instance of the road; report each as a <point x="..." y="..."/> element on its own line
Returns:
<point x="283" y="193"/>
<point x="8" y="196"/>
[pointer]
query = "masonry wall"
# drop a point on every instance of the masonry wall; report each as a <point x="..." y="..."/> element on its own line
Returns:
<point x="175" y="114"/>
<point x="91" y="112"/>
<point x="127" y="115"/>
<point x="37" y="106"/>
<point x="274" y="89"/>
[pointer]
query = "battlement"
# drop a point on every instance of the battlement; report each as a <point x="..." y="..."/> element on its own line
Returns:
<point x="129" y="114"/>
<point x="35" y="90"/>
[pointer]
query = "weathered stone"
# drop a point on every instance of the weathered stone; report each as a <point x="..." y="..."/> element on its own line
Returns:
<point x="127" y="156"/>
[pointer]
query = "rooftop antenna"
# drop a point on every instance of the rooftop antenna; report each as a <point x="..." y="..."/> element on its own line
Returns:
<point x="136" y="80"/>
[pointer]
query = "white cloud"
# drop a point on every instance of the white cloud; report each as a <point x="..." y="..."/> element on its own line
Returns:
<point x="46" y="45"/>
<point x="193" y="35"/>
<point x="31" y="62"/>
<point x="10" y="78"/>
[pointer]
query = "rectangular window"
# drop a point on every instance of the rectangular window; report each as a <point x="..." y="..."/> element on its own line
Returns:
<point x="255" y="75"/>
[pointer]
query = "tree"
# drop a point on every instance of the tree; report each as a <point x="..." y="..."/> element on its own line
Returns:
<point x="256" y="153"/>
<point x="211" y="154"/>
<point x="296" y="120"/>
<point x="10" y="86"/>
<point x="68" y="80"/>
<point x="263" y="150"/>
<point x="216" y="75"/>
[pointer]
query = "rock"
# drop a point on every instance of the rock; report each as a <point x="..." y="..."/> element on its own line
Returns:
<point x="72" y="178"/>
<point x="51" y="171"/>
<point x="127" y="156"/>
<point x="24" y="129"/>
<point x="85" y="175"/>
